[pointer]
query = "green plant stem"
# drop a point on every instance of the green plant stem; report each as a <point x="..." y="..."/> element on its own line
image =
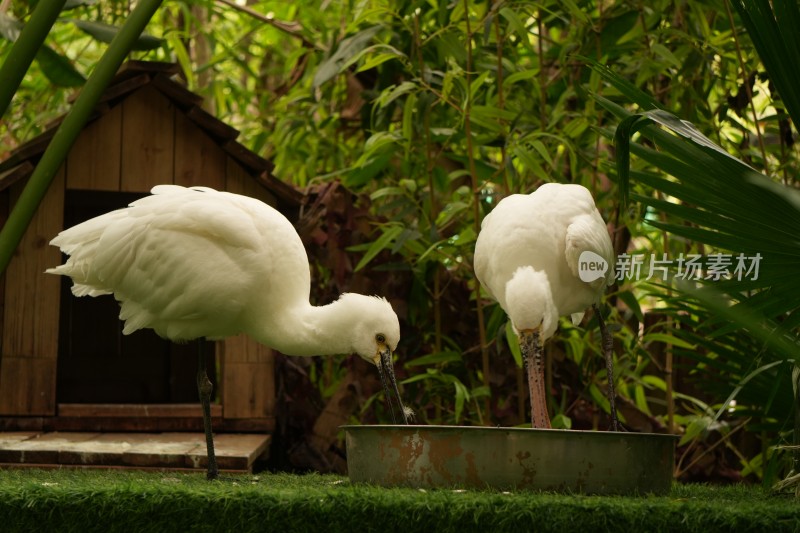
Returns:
<point x="745" y="81"/>
<point x="542" y="73"/>
<point x="724" y="439"/>
<point x="476" y="215"/>
<point x="62" y="141"/>
<point x="501" y="95"/>
<point x="25" y="48"/>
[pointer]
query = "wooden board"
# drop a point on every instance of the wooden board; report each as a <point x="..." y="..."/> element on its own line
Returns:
<point x="235" y="452"/>
<point x="181" y="410"/>
<point x="239" y="181"/>
<point x="198" y="159"/>
<point x="11" y="176"/>
<point x="148" y="133"/>
<point x="217" y="129"/>
<point x="248" y="378"/>
<point x="248" y="375"/>
<point x="30" y="325"/>
<point x="134" y="417"/>
<point x="42" y="448"/>
<point x="94" y="160"/>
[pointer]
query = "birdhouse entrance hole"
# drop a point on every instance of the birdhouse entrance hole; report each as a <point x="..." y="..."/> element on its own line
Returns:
<point x="97" y="364"/>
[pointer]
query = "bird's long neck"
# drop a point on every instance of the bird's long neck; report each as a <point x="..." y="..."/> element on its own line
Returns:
<point x="306" y="329"/>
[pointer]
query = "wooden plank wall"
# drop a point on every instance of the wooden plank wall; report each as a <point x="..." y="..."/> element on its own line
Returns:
<point x="148" y="135"/>
<point x="85" y="168"/>
<point x="30" y="326"/>
<point x="198" y="159"/>
<point x="143" y="142"/>
<point x="248" y="368"/>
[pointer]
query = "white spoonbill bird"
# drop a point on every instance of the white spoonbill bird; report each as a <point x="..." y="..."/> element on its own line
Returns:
<point x="533" y="253"/>
<point x="194" y="262"/>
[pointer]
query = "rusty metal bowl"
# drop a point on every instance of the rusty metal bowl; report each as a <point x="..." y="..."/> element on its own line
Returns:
<point x="589" y="462"/>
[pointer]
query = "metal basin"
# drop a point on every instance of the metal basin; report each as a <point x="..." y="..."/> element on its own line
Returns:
<point x="590" y="462"/>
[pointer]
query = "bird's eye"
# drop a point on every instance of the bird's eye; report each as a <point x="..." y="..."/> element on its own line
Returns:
<point x="380" y="337"/>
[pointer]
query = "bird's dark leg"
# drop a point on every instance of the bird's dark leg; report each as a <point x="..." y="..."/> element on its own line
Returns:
<point x="205" y="388"/>
<point x="532" y="356"/>
<point x="608" y="353"/>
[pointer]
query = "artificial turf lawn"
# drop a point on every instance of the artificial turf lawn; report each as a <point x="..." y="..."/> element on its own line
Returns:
<point x="79" y="500"/>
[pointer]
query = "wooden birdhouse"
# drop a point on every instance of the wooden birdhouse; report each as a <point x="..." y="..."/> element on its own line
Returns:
<point x="65" y="364"/>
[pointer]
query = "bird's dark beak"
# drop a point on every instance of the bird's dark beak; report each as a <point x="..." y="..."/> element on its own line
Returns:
<point x="383" y="360"/>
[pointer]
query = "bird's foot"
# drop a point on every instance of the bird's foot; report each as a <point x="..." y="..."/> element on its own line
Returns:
<point x="215" y="476"/>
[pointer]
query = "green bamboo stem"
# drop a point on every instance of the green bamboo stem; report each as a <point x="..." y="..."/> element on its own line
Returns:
<point x="25" y="48"/>
<point x="485" y="418"/>
<point x="62" y="141"/>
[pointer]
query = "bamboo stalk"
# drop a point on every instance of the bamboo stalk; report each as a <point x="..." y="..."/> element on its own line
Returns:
<point x="542" y="72"/>
<point x="745" y="81"/>
<point x="70" y="128"/>
<point x="476" y="216"/>
<point x="25" y="48"/>
<point x="501" y="96"/>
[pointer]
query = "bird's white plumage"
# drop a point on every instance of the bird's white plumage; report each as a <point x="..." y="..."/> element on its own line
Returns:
<point x="194" y="262"/>
<point x="526" y="255"/>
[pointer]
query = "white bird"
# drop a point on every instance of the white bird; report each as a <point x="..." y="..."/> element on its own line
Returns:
<point x="532" y="255"/>
<point x="193" y="262"/>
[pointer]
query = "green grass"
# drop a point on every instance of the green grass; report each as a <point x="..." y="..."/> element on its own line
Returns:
<point x="74" y="500"/>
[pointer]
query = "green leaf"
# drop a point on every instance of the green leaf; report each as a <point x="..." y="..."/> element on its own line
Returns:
<point x="349" y="47"/>
<point x="741" y="385"/>
<point x="449" y="211"/>
<point x="389" y="234"/>
<point x="628" y="90"/>
<point x="666" y="54"/>
<point x="695" y="429"/>
<point x="182" y="55"/>
<point x="575" y="128"/>
<point x="387" y="191"/>
<point x="667" y="339"/>
<point x="58" y="69"/>
<point x="539" y="146"/>
<point x="513" y="344"/>
<point x="655" y="381"/>
<point x="378" y="59"/>
<point x="515" y="23"/>
<point x="622" y="142"/>
<point x="462" y="395"/>
<point x="633" y="304"/>
<point x="105" y="33"/>
<point x="477" y="83"/>
<point x="773" y="29"/>
<point x="561" y="421"/>
<point x="522" y="75"/>
<point x="447" y="356"/>
<point x="529" y="161"/>
<point x="640" y="399"/>
<point x="686" y="129"/>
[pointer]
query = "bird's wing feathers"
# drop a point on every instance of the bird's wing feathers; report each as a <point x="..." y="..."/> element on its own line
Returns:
<point x="168" y="258"/>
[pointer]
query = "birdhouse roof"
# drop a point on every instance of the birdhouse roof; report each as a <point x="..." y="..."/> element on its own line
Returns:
<point x="131" y="77"/>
